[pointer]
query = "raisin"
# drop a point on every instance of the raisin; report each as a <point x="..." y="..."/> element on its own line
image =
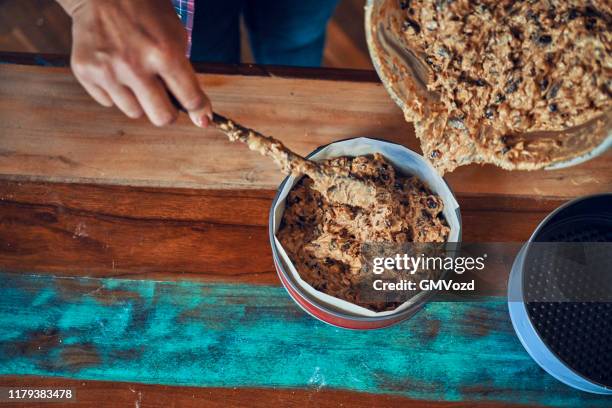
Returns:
<point x="434" y="66"/>
<point x="543" y="84"/>
<point x="592" y="12"/>
<point x="573" y="14"/>
<point x="512" y="85"/>
<point x="590" y="23"/>
<point x="516" y="33"/>
<point x="535" y="17"/>
<point x="431" y="203"/>
<point x="404" y="4"/>
<point x="463" y="77"/>
<point x="489" y="113"/>
<point x="532" y="71"/>
<point x="515" y="59"/>
<point x="411" y="23"/>
<point x="553" y="107"/>
<point x="532" y="16"/>
<point x="545" y="39"/>
<point x="499" y="98"/>
<point x="554" y="90"/>
<point x="435" y="154"/>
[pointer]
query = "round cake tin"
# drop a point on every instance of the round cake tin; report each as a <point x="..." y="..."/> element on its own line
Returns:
<point x="317" y="307"/>
<point x="560" y="294"/>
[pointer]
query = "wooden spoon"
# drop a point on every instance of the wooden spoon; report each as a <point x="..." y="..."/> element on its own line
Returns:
<point x="336" y="185"/>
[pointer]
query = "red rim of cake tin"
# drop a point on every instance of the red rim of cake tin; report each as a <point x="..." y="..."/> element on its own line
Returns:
<point x="323" y="312"/>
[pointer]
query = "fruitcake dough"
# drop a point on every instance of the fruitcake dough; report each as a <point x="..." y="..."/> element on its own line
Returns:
<point x="324" y="239"/>
<point x="518" y="84"/>
<point x="334" y="182"/>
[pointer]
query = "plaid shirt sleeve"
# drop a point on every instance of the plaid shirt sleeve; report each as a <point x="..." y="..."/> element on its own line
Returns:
<point x="185" y="10"/>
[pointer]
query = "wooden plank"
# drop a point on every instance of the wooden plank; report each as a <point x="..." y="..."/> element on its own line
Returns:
<point x="211" y="235"/>
<point x="118" y="394"/>
<point x="48" y="133"/>
<point x="231" y="335"/>
<point x="51" y="130"/>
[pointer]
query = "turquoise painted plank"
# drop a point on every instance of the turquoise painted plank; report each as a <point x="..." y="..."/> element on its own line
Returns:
<point x="254" y="336"/>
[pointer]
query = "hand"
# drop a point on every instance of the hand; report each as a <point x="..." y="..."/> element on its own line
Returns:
<point x="128" y="53"/>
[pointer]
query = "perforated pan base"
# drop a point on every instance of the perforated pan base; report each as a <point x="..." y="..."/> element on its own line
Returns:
<point x="578" y="331"/>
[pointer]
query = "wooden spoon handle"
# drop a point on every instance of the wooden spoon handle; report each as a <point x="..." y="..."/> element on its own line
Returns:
<point x="289" y="161"/>
<point x="343" y="189"/>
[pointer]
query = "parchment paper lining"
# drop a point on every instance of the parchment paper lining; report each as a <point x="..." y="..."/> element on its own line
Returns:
<point x="406" y="162"/>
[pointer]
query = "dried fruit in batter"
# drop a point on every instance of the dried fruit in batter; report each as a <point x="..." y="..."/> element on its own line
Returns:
<point x="325" y="240"/>
<point x="519" y="84"/>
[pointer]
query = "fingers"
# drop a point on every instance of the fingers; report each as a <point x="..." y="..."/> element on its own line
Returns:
<point x="153" y="98"/>
<point x="202" y="117"/>
<point x="181" y="80"/>
<point x="132" y="90"/>
<point x="100" y="81"/>
<point x="125" y="100"/>
<point x="99" y="94"/>
<point x="138" y="88"/>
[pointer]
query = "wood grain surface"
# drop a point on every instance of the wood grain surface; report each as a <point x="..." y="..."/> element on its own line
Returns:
<point x="51" y="130"/>
<point x="236" y="335"/>
<point x="211" y="235"/>
<point x="122" y="394"/>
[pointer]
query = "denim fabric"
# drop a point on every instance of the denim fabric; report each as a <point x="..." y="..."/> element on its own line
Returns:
<point x="281" y="32"/>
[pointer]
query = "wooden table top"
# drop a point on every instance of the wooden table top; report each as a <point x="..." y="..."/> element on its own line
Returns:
<point x="135" y="265"/>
